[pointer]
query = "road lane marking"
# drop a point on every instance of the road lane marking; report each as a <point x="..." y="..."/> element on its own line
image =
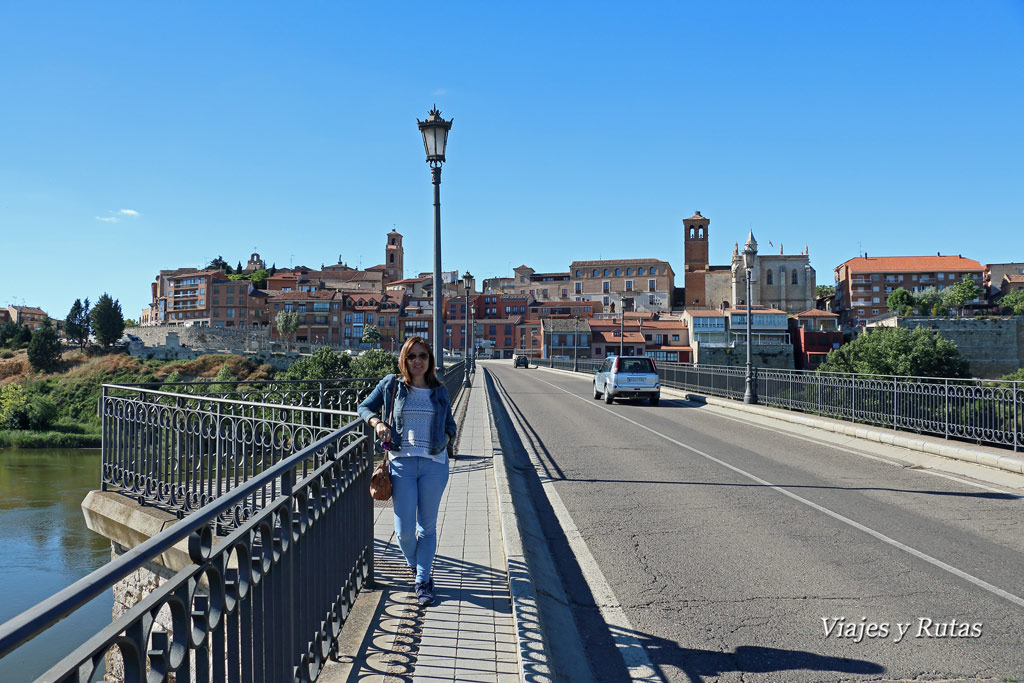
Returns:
<point x="622" y="633"/>
<point x="980" y="583"/>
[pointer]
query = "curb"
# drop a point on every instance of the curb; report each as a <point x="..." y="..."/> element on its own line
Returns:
<point x="1006" y="463"/>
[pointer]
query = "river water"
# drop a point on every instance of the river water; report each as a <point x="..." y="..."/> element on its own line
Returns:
<point x="45" y="546"/>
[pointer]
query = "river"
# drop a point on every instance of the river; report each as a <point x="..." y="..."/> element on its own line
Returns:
<point x="45" y="546"/>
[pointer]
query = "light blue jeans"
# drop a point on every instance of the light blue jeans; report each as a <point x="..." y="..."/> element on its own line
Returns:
<point x="417" y="485"/>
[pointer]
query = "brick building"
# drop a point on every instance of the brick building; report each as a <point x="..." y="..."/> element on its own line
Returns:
<point x="624" y="284"/>
<point x="864" y="283"/>
<point x="813" y="333"/>
<point x="29" y="316"/>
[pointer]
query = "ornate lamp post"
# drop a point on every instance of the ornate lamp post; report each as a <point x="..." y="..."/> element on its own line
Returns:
<point x="575" y="343"/>
<point x="749" y="256"/>
<point x="466" y="279"/>
<point x="472" y="332"/>
<point x="435" y="138"/>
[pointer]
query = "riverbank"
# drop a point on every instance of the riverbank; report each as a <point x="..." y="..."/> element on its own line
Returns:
<point x="23" y="438"/>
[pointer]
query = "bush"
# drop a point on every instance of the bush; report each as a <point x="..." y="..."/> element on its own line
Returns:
<point x="375" y="363"/>
<point x="6" y="353"/>
<point x="41" y="412"/>
<point x="13" y="407"/>
<point x="25" y="439"/>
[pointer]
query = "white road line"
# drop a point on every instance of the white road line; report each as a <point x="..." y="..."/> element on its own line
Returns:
<point x="995" y="590"/>
<point x="853" y="451"/>
<point x="634" y="656"/>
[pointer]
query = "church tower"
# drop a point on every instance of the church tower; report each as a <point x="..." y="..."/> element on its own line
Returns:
<point x="696" y="259"/>
<point x="394" y="256"/>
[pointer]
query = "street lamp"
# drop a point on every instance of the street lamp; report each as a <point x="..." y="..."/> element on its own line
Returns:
<point x="575" y="343"/>
<point x="749" y="255"/>
<point x="466" y="279"/>
<point x="472" y="332"/>
<point x="622" y="318"/>
<point x="435" y="138"/>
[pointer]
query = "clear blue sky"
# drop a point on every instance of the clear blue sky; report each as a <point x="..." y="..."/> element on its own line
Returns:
<point x="137" y="136"/>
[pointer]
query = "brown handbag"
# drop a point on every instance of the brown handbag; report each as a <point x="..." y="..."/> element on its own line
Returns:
<point x="380" y="481"/>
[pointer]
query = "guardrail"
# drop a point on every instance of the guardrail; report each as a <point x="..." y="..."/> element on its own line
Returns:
<point x="983" y="411"/>
<point x="266" y="603"/>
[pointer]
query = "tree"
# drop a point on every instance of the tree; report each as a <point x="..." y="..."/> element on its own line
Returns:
<point x="824" y="291"/>
<point x="107" y="320"/>
<point x="371" y="335"/>
<point x="21" y="338"/>
<point x="219" y="264"/>
<point x="287" y="323"/>
<point x="900" y="301"/>
<point x="374" y="363"/>
<point x="273" y="269"/>
<point x="78" y="324"/>
<point x="1011" y="304"/>
<point x="7" y="332"/>
<point x="898" y="351"/>
<point x="44" y="348"/>
<point x="325" y="363"/>
<point x="130" y="322"/>
<point x="259" y="278"/>
<point x="238" y="268"/>
<point x="929" y="300"/>
<point x="962" y="292"/>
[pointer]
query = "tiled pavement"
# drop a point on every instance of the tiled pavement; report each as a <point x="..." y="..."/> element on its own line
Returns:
<point x="469" y="634"/>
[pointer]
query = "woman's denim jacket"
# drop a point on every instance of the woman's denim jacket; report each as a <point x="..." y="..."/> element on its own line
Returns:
<point x="443" y="429"/>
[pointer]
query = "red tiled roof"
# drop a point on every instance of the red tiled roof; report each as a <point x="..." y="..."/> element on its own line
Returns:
<point x="1014" y="277"/>
<point x="696" y="217"/>
<point x="613" y="337"/>
<point x="815" y="313"/>
<point x="911" y="264"/>
<point x="324" y="294"/>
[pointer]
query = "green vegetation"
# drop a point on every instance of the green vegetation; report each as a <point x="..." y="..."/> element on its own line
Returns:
<point x="258" y="277"/>
<point x="371" y="335"/>
<point x="1013" y="303"/>
<point x="44" y="349"/>
<point x="14" y="335"/>
<point x="900" y="301"/>
<point x="898" y="351"/>
<point x="78" y="324"/>
<point x="107" y="320"/>
<point x="287" y="323"/>
<point x="823" y="291"/>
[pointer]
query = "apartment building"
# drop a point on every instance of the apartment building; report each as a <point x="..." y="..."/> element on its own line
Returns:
<point x="864" y="283"/>
<point x="813" y="333"/>
<point x="558" y="309"/>
<point x="188" y="297"/>
<point x="568" y="338"/>
<point x="29" y="316"/>
<point x="624" y="284"/>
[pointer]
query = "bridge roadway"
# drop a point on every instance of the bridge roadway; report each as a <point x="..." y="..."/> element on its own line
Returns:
<point x="727" y="545"/>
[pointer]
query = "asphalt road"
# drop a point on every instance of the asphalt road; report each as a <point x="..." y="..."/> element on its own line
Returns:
<point x="731" y="548"/>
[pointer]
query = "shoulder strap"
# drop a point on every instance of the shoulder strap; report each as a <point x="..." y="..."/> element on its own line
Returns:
<point x="391" y="408"/>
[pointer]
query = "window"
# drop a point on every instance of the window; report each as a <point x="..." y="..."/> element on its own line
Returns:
<point x="860" y="311"/>
<point x="874" y="311"/>
<point x="942" y="276"/>
<point x="348" y="318"/>
<point x="876" y="300"/>
<point x="618" y="272"/>
<point x="768" y="277"/>
<point x="606" y="272"/>
<point x="875" y="276"/>
<point x="875" y="288"/>
<point x="579" y="287"/>
<point x="675" y="337"/>
<point x="606" y="287"/>
<point x="565" y="292"/>
<point x="595" y="272"/>
<point x="651" y="285"/>
<point x="639" y="271"/>
<point x="629" y="285"/>
<point x="795" y="281"/>
<point x="231" y="313"/>
<point x="652" y="300"/>
<point x="605" y="301"/>
<point x="577" y="273"/>
<point x="586" y="309"/>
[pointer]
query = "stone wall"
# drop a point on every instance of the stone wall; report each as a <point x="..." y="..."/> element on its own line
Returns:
<point x="207" y="339"/>
<point x="777" y="356"/>
<point x="993" y="346"/>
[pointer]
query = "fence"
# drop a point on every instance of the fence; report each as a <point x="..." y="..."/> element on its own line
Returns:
<point x="265" y="604"/>
<point x="984" y="411"/>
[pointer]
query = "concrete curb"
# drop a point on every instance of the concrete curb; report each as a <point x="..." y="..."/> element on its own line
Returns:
<point x="923" y="444"/>
<point x="532" y="652"/>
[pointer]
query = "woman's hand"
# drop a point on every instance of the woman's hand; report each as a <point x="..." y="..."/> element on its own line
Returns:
<point x="382" y="432"/>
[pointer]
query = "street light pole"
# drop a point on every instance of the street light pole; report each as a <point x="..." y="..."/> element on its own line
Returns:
<point x="466" y="278"/>
<point x="435" y="138"/>
<point x="622" y="317"/>
<point x="749" y="256"/>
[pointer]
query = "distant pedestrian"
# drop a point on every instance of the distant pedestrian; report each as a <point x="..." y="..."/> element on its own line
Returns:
<point x="421" y="438"/>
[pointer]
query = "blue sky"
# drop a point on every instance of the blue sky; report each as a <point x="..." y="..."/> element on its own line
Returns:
<point x="582" y="130"/>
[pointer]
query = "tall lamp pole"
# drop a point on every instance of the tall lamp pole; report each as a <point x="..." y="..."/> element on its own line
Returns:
<point x="435" y="138"/>
<point x="749" y="256"/>
<point x="466" y="279"/>
<point x="622" y="317"/>
<point x="575" y="343"/>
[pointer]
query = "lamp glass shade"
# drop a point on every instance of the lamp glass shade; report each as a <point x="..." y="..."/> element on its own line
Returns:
<point x="748" y="257"/>
<point x="435" y="135"/>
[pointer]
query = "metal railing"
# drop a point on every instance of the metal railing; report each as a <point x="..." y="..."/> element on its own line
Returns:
<point x="266" y="603"/>
<point x="984" y="411"/>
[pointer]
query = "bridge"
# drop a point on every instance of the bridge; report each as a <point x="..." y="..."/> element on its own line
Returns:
<point x="847" y="527"/>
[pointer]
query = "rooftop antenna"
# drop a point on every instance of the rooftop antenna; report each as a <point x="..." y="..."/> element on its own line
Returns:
<point x="291" y="260"/>
<point x="860" y="249"/>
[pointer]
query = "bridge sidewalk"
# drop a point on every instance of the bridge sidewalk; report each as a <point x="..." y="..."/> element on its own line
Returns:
<point x="469" y="634"/>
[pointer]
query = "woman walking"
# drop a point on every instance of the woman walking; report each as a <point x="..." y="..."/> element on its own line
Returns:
<point x="421" y="432"/>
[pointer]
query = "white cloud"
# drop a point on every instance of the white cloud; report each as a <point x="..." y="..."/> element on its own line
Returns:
<point x="440" y="91"/>
<point x="115" y="216"/>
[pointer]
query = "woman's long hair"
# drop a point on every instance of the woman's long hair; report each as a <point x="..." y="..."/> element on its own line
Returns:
<point x="403" y="366"/>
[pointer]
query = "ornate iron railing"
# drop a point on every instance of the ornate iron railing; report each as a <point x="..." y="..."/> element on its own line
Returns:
<point x="984" y="411"/>
<point x="266" y="603"/>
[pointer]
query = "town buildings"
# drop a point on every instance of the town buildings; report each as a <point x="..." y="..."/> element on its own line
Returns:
<point x="29" y="316"/>
<point x="864" y="283"/>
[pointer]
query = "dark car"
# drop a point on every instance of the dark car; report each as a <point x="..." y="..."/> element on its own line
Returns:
<point x="521" y="362"/>
<point x="627" y="377"/>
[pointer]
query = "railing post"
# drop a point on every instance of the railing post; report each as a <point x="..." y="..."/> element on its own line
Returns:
<point x="895" y="399"/>
<point x="1016" y="437"/>
<point x="104" y="440"/>
<point x="945" y="410"/>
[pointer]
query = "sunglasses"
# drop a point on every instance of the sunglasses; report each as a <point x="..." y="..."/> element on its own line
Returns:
<point x="422" y="355"/>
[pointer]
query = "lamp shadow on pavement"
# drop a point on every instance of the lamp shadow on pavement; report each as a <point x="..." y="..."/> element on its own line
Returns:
<point x="699" y="665"/>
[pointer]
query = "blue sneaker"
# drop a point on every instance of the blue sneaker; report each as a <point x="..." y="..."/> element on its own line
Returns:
<point x="425" y="592"/>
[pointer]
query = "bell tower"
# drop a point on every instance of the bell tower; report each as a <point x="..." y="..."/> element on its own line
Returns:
<point x="394" y="257"/>
<point x="695" y="239"/>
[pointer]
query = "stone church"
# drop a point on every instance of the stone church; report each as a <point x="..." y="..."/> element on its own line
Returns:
<point x="782" y="281"/>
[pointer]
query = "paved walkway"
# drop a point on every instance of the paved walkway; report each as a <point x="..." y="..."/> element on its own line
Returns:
<point x="469" y="634"/>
